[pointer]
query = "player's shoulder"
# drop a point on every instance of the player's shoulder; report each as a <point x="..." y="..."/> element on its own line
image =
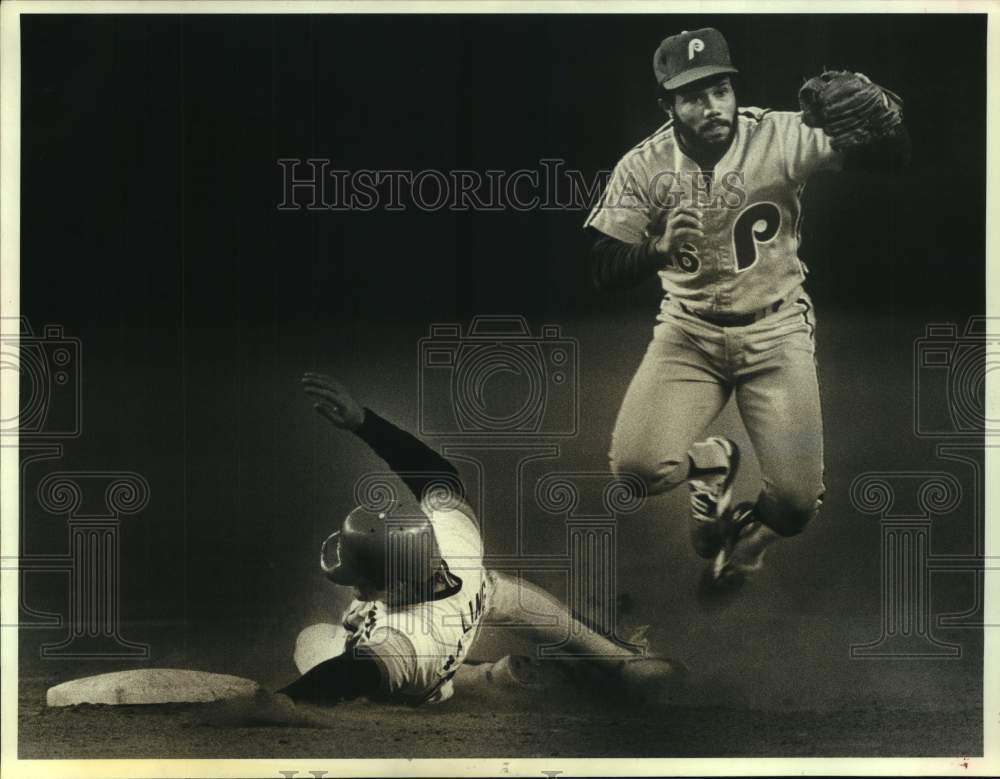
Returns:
<point x="659" y="142"/>
<point x="455" y="526"/>
<point x="768" y="117"/>
<point x="661" y="136"/>
<point x="753" y="114"/>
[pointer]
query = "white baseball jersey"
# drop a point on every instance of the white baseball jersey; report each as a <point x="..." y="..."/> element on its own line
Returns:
<point x="420" y="646"/>
<point x="748" y="257"/>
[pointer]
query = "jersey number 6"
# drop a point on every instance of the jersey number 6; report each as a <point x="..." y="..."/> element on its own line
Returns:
<point x="684" y="258"/>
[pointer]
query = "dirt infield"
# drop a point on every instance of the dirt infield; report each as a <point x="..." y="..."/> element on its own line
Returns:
<point x="518" y="727"/>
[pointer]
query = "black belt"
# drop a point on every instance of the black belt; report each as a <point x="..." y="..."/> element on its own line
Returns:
<point x="733" y="320"/>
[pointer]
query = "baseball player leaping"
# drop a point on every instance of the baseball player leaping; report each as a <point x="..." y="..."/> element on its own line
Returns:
<point x="421" y="591"/>
<point x="711" y="203"/>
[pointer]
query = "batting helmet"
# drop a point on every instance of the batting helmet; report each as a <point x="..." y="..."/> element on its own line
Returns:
<point x="391" y="546"/>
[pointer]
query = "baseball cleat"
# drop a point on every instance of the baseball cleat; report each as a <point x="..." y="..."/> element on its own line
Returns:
<point x="652" y="681"/>
<point x="742" y="554"/>
<point x="711" y="495"/>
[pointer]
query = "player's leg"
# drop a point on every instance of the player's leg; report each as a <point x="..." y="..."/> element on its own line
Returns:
<point x="714" y="465"/>
<point x="674" y="395"/>
<point x="520" y="605"/>
<point x="780" y="405"/>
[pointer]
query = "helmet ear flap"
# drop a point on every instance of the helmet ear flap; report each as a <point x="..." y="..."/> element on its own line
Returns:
<point x="324" y="554"/>
<point x="331" y="560"/>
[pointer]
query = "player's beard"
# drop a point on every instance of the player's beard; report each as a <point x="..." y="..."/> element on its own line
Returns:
<point x="702" y="141"/>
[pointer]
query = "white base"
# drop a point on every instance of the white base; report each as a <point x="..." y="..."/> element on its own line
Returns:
<point x="150" y="685"/>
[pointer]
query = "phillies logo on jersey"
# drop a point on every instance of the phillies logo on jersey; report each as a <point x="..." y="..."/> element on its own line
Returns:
<point x="757" y="224"/>
<point x="694" y="46"/>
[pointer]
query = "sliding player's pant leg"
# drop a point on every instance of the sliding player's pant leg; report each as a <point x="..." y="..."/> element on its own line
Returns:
<point x="592" y="659"/>
<point x="778" y="398"/>
<point x="520" y="605"/>
<point x="673" y="397"/>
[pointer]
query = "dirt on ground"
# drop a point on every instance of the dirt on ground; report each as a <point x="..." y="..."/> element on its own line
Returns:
<point x="506" y="725"/>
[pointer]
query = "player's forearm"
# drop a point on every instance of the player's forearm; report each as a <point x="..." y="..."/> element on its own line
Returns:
<point x="341" y="678"/>
<point x="417" y="464"/>
<point x="619" y="265"/>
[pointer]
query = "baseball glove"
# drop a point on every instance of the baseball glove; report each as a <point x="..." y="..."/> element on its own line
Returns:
<point x="851" y="109"/>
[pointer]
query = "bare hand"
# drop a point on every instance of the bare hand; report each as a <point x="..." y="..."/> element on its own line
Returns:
<point x="683" y="224"/>
<point x="333" y="401"/>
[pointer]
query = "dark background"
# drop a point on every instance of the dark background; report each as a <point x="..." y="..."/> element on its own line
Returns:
<point x="151" y="181"/>
<point x="150" y="231"/>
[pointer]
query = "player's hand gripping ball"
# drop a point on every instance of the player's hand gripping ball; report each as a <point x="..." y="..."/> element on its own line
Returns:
<point x="851" y="109"/>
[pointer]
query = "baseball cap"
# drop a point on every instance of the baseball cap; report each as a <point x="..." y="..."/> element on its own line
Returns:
<point x="690" y="56"/>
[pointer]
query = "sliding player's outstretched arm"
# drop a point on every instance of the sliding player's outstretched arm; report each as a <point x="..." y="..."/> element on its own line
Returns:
<point x="419" y="466"/>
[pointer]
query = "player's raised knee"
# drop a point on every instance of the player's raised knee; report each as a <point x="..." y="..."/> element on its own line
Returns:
<point x="656" y="478"/>
<point x="787" y="512"/>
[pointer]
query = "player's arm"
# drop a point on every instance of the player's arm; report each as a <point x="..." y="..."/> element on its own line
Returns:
<point x="378" y="662"/>
<point x="417" y="464"/>
<point x="885" y="155"/>
<point x="624" y="252"/>
<point x="344" y="677"/>
<point x="619" y="264"/>
<point x="810" y="151"/>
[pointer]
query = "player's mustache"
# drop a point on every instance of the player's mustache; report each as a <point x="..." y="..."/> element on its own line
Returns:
<point x="712" y="123"/>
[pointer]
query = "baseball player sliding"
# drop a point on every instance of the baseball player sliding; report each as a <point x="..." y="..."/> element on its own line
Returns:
<point x="711" y="203"/>
<point x="415" y="565"/>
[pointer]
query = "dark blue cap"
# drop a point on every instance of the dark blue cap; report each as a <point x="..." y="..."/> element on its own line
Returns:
<point x="691" y="56"/>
